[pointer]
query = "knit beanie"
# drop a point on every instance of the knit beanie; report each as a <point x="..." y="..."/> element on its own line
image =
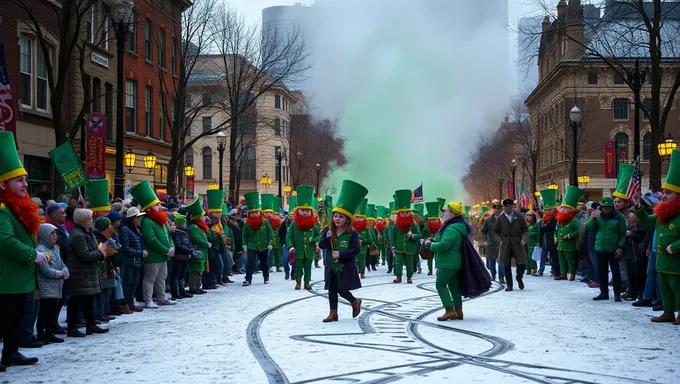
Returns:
<point x="180" y="219"/>
<point x="102" y="223"/>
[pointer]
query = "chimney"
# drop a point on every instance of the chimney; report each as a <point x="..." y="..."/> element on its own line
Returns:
<point x="574" y="11"/>
<point x="546" y="23"/>
<point x="561" y="10"/>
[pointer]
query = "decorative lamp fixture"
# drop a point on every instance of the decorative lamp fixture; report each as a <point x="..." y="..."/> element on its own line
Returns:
<point x="666" y="148"/>
<point x="189" y="170"/>
<point x="575" y="115"/>
<point x="537" y="194"/>
<point x="130" y="159"/>
<point x="552" y="185"/>
<point x="213" y="185"/>
<point x="121" y="10"/>
<point x="150" y="162"/>
<point x="585" y="179"/>
<point x="287" y="189"/>
<point x="266" y="181"/>
<point x="319" y="199"/>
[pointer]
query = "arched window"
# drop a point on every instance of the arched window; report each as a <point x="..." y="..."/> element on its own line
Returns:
<point x="189" y="156"/>
<point x="621" y="140"/>
<point x="207" y="163"/>
<point x="646" y="146"/>
<point x="249" y="165"/>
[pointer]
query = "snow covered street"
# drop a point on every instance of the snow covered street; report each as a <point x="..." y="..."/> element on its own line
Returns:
<point x="552" y="332"/>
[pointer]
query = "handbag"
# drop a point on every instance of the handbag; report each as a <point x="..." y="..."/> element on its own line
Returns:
<point x="196" y="254"/>
<point x="118" y="295"/>
<point x="536" y="254"/>
<point x="425" y="252"/>
<point x="291" y="256"/>
<point x="373" y="250"/>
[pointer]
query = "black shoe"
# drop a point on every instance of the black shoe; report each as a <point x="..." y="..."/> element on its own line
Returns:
<point x="184" y="294"/>
<point x="617" y="299"/>
<point x="2" y="368"/>
<point x="96" y="329"/>
<point x="32" y="343"/>
<point x="230" y="281"/>
<point x="643" y="303"/>
<point x="18" y="359"/>
<point x="246" y="283"/>
<point x="58" y="327"/>
<point x="658" y="307"/>
<point x="53" y="339"/>
<point x="266" y="281"/>
<point x="59" y="331"/>
<point x="601" y="297"/>
<point x="196" y="292"/>
<point x="74" y="333"/>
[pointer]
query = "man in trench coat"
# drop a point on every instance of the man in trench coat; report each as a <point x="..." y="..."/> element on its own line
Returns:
<point x="511" y="233"/>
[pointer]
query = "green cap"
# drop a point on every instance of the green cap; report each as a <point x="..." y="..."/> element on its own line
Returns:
<point x="195" y="208"/>
<point x="10" y="164"/>
<point x="361" y="209"/>
<point x="305" y="197"/>
<point x="403" y="199"/>
<point x="467" y="210"/>
<point x="351" y="196"/>
<point x="370" y="211"/>
<point x="433" y="209"/>
<point x="267" y="202"/>
<point x="214" y="200"/>
<point x="98" y="195"/>
<point x="485" y="209"/>
<point x="442" y="202"/>
<point x="607" y="202"/>
<point x="672" y="182"/>
<point x="418" y="208"/>
<point x="180" y="219"/>
<point x="623" y="179"/>
<point x="144" y="195"/>
<point x="292" y="203"/>
<point x="381" y="212"/>
<point x="392" y="209"/>
<point x="277" y="204"/>
<point x="252" y="201"/>
<point x="102" y="223"/>
<point x="549" y="197"/>
<point x="571" y="198"/>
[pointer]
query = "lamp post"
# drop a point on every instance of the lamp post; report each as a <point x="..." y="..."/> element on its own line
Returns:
<point x="150" y="162"/>
<point x="120" y="14"/>
<point x="266" y="181"/>
<point x="318" y="171"/>
<point x="221" y="146"/>
<point x="637" y="80"/>
<point x="500" y="189"/>
<point x="299" y="156"/>
<point x="279" y="155"/>
<point x="666" y="148"/>
<point x="514" y="170"/>
<point x="575" y="118"/>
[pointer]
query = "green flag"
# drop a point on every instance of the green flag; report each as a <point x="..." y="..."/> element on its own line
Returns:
<point x="69" y="166"/>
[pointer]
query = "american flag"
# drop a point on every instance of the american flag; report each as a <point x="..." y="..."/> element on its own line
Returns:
<point x="417" y="195"/>
<point x="634" y="184"/>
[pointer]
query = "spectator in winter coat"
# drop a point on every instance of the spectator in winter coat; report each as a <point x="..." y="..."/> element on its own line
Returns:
<point x="133" y="252"/>
<point x="51" y="278"/>
<point x="183" y="252"/>
<point x="635" y="257"/>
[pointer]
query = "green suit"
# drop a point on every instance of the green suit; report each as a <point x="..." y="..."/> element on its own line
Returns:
<point x="406" y="249"/>
<point x="304" y="243"/>
<point x="17" y="258"/>
<point x="532" y="241"/>
<point x="365" y="238"/>
<point x="259" y="239"/>
<point x="157" y="241"/>
<point x="566" y="248"/>
<point x="426" y="235"/>
<point x="447" y="249"/>
<point x="199" y="239"/>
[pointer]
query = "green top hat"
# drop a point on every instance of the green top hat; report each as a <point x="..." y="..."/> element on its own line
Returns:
<point x="442" y="202"/>
<point x="98" y="194"/>
<point x="381" y="212"/>
<point x="144" y="195"/>
<point x="267" y="202"/>
<point x="277" y="205"/>
<point x="672" y="182"/>
<point x="370" y="211"/>
<point x="467" y="210"/>
<point x="485" y="209"/>
<point x="225" y="210"/>
<point x="351" y="196"/>
<point x="418" y="208"/>
<point x="10" y="164"/>
<point x="214" y="200"/>
<point x="361" y="209"/>
<point x="403" y="200"/>
<point x="392" y="209"/>
<point x="573" y="195"/>
<point x="195" y="208"/>
<point x="607" y="202"/>
<point x="433" y="209"/>
<point x="252" y="201"/>
<point x="623" y="179"/>
<point x="549" y="197"/>
<point x="292" y="203"/>
<point x="305" y="197"/>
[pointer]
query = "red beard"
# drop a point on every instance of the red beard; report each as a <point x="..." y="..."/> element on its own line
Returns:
<point x="201" y="224"/>
<point x="547" y="218"/>
<point x="667" y="211"/>
<point x="563" y="218"/>
<point x="359" y="225"/>
<point x="405" y="223"/>
<point x="274" y="221"/>
<point x="304" y="223"/>
<point x="381" y="225"/>
<point x="434" y="226"/>
<point x="255" y="223"/>
<point x="158" y="216"/>
<point x="24" y="209"/>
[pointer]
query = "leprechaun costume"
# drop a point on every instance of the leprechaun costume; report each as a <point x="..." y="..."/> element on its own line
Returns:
<point x="567" y="232"/>
<point x="405" y="236"/>
<point x="373" y="251"/>
<point x="258" y="238"/>
<point x="418" y="210"/>
<point x="532" y="242"/>
<point x="229" y="247"/>
<point x="303" y="235"/>
<point x="361" y="225"/>
<point x="433" y="224"/>
<point x="342" y="247"/>
<point x="213" y="275"/>
<point x="667" y="237"/>
<point x="18" y="240"/>
<point x="622" y="181"/>
<point x="198" y="234"/>
<point x="381" y="222"/>
<point x="547" y="227"/>
<point x="271" y="207"/>
<point x="98" y="197"/>
<point x="327" y="216"/>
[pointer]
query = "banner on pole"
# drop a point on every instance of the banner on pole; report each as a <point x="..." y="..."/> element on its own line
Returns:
<point x="69" y="166"/>
<point x="610" y="159"/>
<point x="511" y="194"/>
<point x="8" y="120"/>
<point x="96" y="146"/>
<point x="190" y="187"/>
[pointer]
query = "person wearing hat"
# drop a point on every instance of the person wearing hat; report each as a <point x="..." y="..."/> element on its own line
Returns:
<point x="434" y="223"/>
<point x="511" y="232"/>
<point x="567" y="232"/>
<point x="447" y="248"/>
<point x="491" y="243"/>
<point x="620" y="195"/>
<point x="133" y="252"/>
<point x="360" y="225"/>
<point x="382" y="218"/>
<point x="104" y="234"/>
<point x="289" y="268"/>
<point x="325" y="218"/>
<point x="19" y="226"/>
<point x="228" y="245"/>
<point x="547" y="226"/>
<point x="373" y="250"/>
<point x="184" y="251"/>
<point x="212" y="277"/>
<point x="157" y="242"/>
<point x="303" y="234"/>
<point x="197" y="229"/>
<point x="418" y="210"/>
<point x="609" y="226"/>
<point x="405" y="236"/>
<point x="532" y="241"/>
<point x="390" y="227"/>
<point x="258" y="238"/>
<point x="271" y="205"/>
<point x="98" y="197"/>
<point x="343" y="245"/>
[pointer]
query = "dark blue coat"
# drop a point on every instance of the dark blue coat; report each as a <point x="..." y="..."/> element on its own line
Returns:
<point x="132" y="248"/>
<point x="349" y="278"/>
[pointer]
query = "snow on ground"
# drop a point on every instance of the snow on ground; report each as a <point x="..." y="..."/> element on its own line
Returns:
<point x="552" y="332"/>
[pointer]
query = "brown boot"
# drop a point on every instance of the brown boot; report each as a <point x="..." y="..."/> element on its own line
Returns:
<point x="307" y="286"/>
<point x="333" y="316"/>
<point x="460" y="313"/>
<point x="278" y="269"/>
<point x="677" y="321"/>
<point x="409" y="281"/>
<point x="572" y="277"/>
<point x="508" y="288"/>
<point x="493" y="277"/>
<point x="356" y="308"/>
<point x="397" y="280"/>
<point x="297" y="284"/>
<point x="450" y="314"/>
<point x="362" y="275"/>
<point x="561" y="277"/>
<point x="666" y="317"/>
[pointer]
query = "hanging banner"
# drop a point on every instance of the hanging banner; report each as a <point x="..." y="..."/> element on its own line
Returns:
<point x="511" y="194"/>
<point x="610" y="159"/>
<point x="190" y="187"/>
<point x="68" y="165"/>
<point x="96" y="146"/>
<point x="8" y="121"/>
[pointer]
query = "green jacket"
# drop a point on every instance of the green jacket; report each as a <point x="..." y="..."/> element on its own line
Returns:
<point x="666" y="234"/>
<point x="403" y="244"/>
<point x="304" y="242"/>
<point x="276" y="242"/>
<point x="157" y="241"/>
<point x="229" y="233"/>
<point x="447" y="246"/>
<point x="610" y="231"/>
<point x="571" y="228"/>
<point x="260" y="239"/>
<point x="17" y="258"/>
<point x="532" y="237"/>
<point x="365" y="238"/>
<point x="199" y="239"/>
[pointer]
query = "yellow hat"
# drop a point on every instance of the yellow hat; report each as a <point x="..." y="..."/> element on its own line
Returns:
<point x="456" y="208"/>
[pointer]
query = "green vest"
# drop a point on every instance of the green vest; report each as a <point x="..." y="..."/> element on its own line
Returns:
<point x="17" y="258"/>
<point x="260" y="239"/>
<point x="304" y="242"/>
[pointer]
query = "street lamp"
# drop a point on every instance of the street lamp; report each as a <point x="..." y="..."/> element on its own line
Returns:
<point x="189" y="170"/>
<point x="585" y="179"/>
<point x="150" y="162"/>
<point x="266" y="181"/>
<point x="500" y="189"/>
<point x="221" y="146"/>
<point x="575" y="118"/>
<point x="537" y="194"/>
<point x="514" y="170"/>
<point x="280" y="155"/>
<point x="130" y="159"/>
<point x="552" y="185"/>
<point x="213" y="185"/>
<point x="666" y="148"/>
<point x="120" y="11"/>
<point x="287" y="189"/>
<point x="318" y="171"/>
<point x="299" y="156"/>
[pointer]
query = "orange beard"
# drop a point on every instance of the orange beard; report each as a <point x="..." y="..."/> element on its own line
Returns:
<point x="255" y="223"/>
<point x="563" y="218"/>
<point x="381" y="225"/>
<point x="274" y="221"/>
<point x="201" y="224"/>
<point x="359" y="225"/>
<point x="405" y="223"/>
<point x="304" y="223"/>
<point x="547" y="218"/>
<point x="667" y="211"/>
<point x="24" y="209"/>
<point x="158" y="216"/>
<point x="434" y="225"/>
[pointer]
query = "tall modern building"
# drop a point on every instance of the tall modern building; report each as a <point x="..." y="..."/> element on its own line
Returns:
<point x="528" y="39"/>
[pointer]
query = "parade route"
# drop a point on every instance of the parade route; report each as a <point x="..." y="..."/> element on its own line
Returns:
<point x="549" y="333"/>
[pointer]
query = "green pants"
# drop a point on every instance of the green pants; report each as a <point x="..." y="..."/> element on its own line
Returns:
<point x="447" y="288"/>
<point x="567" y="262"/>
<point x="670" y="291"/>
<point x="303" y="265"/>
<point x="277" y="257"/>
<point x="430" y="261"/>
<point x="401" y="260"/>
<point x="361" y="260"/>
<point x="531" y="263"/>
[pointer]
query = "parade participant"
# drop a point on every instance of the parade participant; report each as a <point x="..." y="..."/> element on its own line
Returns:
<point x="405" y="236"/>
<point x="567" y="232"/>
<point x="271" y="213"/>
<point x="228" y="245"/>
<point x="547" y="227"/>
<point x="609" y="227"/>
<point x="343" y="245"/>
<point x="532" y="241"/>
<point x="390" y="227"/>
<point x="621" y="203"/>
<point x="360" y="224"/>
<point x="19" y="226"/>
<point x="418" y="210"/>
<point x="98" y="197"/>
<point x="491" y="243"/>
<point x="157" y="242"/>
<point x="197" y="229"/>
<point x="292" y="203"/>
<point x="213" y="274"/>
<point x="447" y="244"/>
<point x="511" y="235"/>
<point x="373" y="250"/>
<point x="257" y="239"/>
<point x="184" y="250"/>
<point x="434" y="223"/>
<point x="381" y="231"/>
<point x="303" y="235"/>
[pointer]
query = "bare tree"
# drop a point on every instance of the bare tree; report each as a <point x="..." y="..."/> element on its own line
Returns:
<point x="524" y="140"/>
<point x="315" y="143"/>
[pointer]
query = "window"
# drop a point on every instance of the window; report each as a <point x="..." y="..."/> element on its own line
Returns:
<point x="174" y="56"/>
<point x="130" y="106"/>
<point x="148" y="107"/>
<point x="621" y="109"/>
<point x="26" y="65"/>
<point x="277" y="152"/>
<point x="284" y="129"/>
<point x="206" y="99"/>
<point x="160" y="175"/>
<point x="592" y="78"/>
<point x="96" y="95"/>
<point x="105" y="27"/>
<point x="207" y="124"/>
<point x="189" y="156"/>
<point x="621" y="140"/>
<point x="188" y="103"/>
<point x="39" y="173"/>
<point x="108" y="110"/>
<point x="148" y="53"/>
<point x="161" y="48"/>
<point x="34" y="91"/>
<point x="42" y="89"/>
<point x="248" y="171"/>
<point x="131" y="41"/>
<point x="161" y="127"/>
<point x="277" y="102"/>
<point x="618" y="80"/>
<point x="647" y="109"/>
<point x="277" y="128"/>
<point x="646" y="146"/>
<point x="207" y="163"/>
<point x="89" y="24"/>
<point x="246" y="124"/>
